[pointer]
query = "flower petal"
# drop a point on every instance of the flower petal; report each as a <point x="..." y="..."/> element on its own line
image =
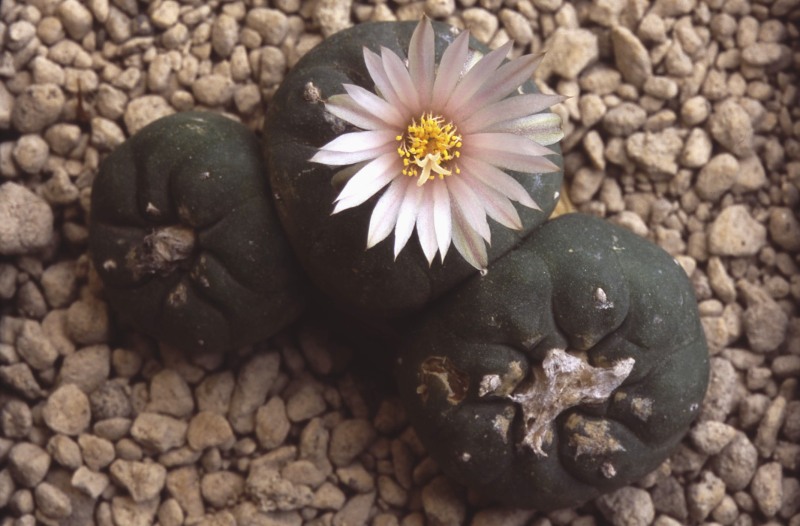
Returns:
<point x="513" y="107"/>
<point x="344" y="107"/>
<point x="367" y="182"/>
<point x="375" y="68"/>
<point x="375" y="105"/>
<point x="330" y="158"/>
<point x="543" y="128"/>
<point x="497" y="206"/>
<point x="469" y="206"/>
<point x="450" y="68"/>
<point x="500" y="84"/>
<point x="359" y="141"/>
<point x="407" y="216"/>
<point x="341" y="177"/>
<point x="421" y="54"/>
<point x="495" y="178"/>
<point x="426" y="231"/>
<point x="475" y="79"/>
<point x="442" y="218"/>
<point x="502" y="142"/>
<point x="384" y="215"/>
<point x="468" y="243"/>
<point x="401" y="80"/>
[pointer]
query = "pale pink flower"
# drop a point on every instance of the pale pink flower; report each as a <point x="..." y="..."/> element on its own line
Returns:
<point x="440" y="139"/>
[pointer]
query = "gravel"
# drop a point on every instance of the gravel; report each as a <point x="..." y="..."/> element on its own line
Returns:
<point x="682" y="125"/>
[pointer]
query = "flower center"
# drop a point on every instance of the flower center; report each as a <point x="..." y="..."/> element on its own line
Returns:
<point x="427" y="148"/>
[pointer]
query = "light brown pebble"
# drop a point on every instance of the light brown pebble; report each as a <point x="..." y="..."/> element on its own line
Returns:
<point x="88" y="321"/>
<point x="710" y="437"/>
<point x="305" y="404"/>
<point x="65" y="451"/>
<point x="704" y="495"/>
<point x="222" y="488"/>
<point x="97" y="452"/>
<point x="356" y="477"/>
<point x="631" y="56"/>
<point x="77" y="20"/>
<point x="142" y="480"/>
<point x="735" y="233"/>
<point x="143" y="110"/>
<point x="349" y="439"/>
<point x="52" y="502"/>
<point x="90" y="482"/>
<point x="328" y="497"/>
<point x="767" y="434"/>
<point x="481" y="23"/>
<point x="28" y="464"/>
<point x="270" y="24"/>
<point x="272" y="426"/>
<point x="159" y="432"/>
<point x="27" y="224"/>
<point x="34" y="347"/>
<point x="443" y="503"/>
<point x="254" y="380"/>
<point x="767" y="488"/>
<point x="67" y="410"/>
<point x="31" y="153"/>
<point x="737" y="463"/>
<point x="731" y="126"/>
<point x="717" y="177"/>
<point x="391" y="492"/>
<point x="765" y="322"/>
<point x="125" y="510"/>
<point x="88" y="368"/>
<point x="571" y="50"/>
<point x="170" y="394"/>
<point x="355" y="510"/>
<point x="209" y="429"/>
<point x="170" y="513"/>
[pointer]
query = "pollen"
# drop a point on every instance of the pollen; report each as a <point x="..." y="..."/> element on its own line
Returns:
<point x="428" y="148"/>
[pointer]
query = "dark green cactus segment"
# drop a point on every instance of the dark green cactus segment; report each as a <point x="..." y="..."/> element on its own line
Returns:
<point x="332" y="247"/>
<point x="605" y="296"/>
<point x="185" y="237"/>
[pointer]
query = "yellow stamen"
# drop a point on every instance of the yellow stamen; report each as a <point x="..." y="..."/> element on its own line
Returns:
<point x="428" y="145"/>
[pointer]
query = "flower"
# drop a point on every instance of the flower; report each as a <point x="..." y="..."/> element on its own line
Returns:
<point x="440" y="139"/>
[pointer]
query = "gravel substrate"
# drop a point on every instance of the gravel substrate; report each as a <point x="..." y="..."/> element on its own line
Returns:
<point x="682" y="126"/>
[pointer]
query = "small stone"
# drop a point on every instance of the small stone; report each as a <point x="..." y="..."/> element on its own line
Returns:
<point x="170" y="394"/>
<point x="356" y="510"/>
<point x="272" y="25"/>
<point x="34" y="347"/>
<point x="271" y="492"/>
<point x="16" y="420"/>
<point x="214" y="392"/>
<point x="517" y="26"/>
<point x="731" y="126"/>
<point x="52" y="502"/>
<point x="669" y="497"/>
<point x="37" y="107"/>
<point x="106" y="134"/>
<point x="88" y="321"/>
<point x="209" y="429"/>
<point x="97" y="452"/>
<point x="767" y="434"/>
<point x="570" y="52"/>
<point x="143" y="110"/>
<point x="767" y="488"/>
<point x="159" y="432"/>
<point x="305" y="404"/>
<point x="27" y="221"/>
<point x="627" y="506"/>
<point x="656" y="153"/>
<point x="224" y="35"/>
<point x="170" y="513"/>
<point x="65" y="451"/>
<point x="254" y="381"/>
<point x="721" y="283"/>
<point x="165" y="15"/>
<point x="704" y="495"/>
<point x="67" y="410"/>
<point x="442" y="502"/>
<point x="784" y="229"/>
<point x="481" y="23"/>
<point x="624" y="119"/>
<point x="222" y="488"/>
<point x="356" y="477"/>
<point x="391" y="492"/>
<point x="585" y="184"/>
<point x="90" y="482"/>
<point x="88" y="368"/>
<point x="272" y="426"/>
<point x="764" y="53"/>
<point x="125" y="510"/>
<point x="111" y="400"/>
<point x="765" y="322"/>
<point x="328" y="497"/>
<point x="735" y="233"/>
<point x="737" y="463"/>
<point x="31" y="153"/>
<point x="349" y="439"/>
<point x="143" y="480"/>
<point x="717" y="177"/>
<point x="77" y="20"/>
<point x="631" y="56"/>
<point x="59" y="284"/>
<point x="213" y="90"/>
<point x="710" y="437"/>
<point x="722" y="394"/>
<point x="28" y="464"/>
<point x="19" y="377"/>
